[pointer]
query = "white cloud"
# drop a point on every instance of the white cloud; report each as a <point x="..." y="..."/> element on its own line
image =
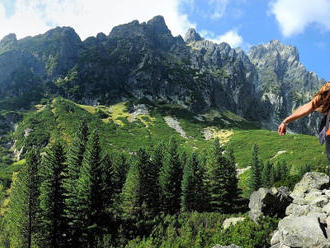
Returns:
<point x="293" y="16"/>
<point x="231" y="37"/>
<point x="88" y="17"/>
<point x="219" y="8"/>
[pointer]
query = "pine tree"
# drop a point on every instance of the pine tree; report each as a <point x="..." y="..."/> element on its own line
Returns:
<point x="107" y="189"/>
<point x="255" y="163"/>
<point x="284" y="170"/>
<point x="232" y="182"/>
<point x="52" y="198"/>
<point x="277" y="172"/>
<point x="192" y="185"/>
<point x="21" y="219"/>
<point x="267" y="175"/>
<point x="170" y="179"/>
<point x="33" y="183"/>
<point x="72" y="172"/>
<point x="217" y="178"/>
<point x="131" y="202"/>
<point x="203" y="192"/>
<point x="148" y="173"/>
<point x="24" y="203"/>
<point x="157" y="155"/>
<point x="16" y="218"/>
<point x="90" y="198"/>
<point x="121" y="167"/>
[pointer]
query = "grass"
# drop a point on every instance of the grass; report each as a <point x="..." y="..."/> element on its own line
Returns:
<point x="300" y="149"/>
<point x="120" y="130"/>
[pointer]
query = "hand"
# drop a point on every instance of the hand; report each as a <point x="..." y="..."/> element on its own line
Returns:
<point x="282" y="128"/>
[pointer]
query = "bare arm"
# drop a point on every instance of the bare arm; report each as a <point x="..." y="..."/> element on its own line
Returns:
<point x="302" y="111"/>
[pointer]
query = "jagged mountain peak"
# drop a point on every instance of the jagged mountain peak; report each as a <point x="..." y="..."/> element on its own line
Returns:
<point x="8" y="38"/>
<point x="62" y="32"/>
<point x="159" y="23"/>
<point x="274" y="48"/>
<point x="192" y="36"/>
<point x="8" y="42"/>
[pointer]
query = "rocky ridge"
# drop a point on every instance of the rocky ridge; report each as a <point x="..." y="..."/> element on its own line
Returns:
<point x="144" y="60"/>
<point x="285" y="82"/>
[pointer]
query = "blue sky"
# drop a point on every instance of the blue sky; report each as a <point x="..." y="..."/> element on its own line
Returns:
<point x="241" y="23"/>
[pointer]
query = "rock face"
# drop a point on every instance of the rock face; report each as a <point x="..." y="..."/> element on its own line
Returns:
<point x="271" y="202"/>
<point x="306" y="223"/>
<point x="285" y="82"/>
<point x="144" y="60"/>
<point x="192" y="36"/>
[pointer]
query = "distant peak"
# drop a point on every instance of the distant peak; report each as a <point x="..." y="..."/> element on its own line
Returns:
<point x="157" y="20"/>
<point x="158" y="24"/>
<point x="101" y="36"/>
<point x="192" y="36"/>
<point x="9" y="39"/>
<point x="68" y="32"/>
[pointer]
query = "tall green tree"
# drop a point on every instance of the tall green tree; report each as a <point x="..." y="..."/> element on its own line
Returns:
<point x="284" y="170"/>
<point x="21" y="220"/>
<point x="193" y="192"/>
<point x="170" y="179"/>
<point x="131" y="199"/>
<point x="52" y="198"/>
<point x="33" y="183"/>
<point x="107" y="191"/>
<point x="150" y="189"/>
<point x="157" y="155"/>
<point x="90" y="197"/>
<point x="233" y="192"/>
<point x="72" y="173"/>
<point x="217" y="178"/>
<point x="255" y="163"/>
<point x="267" y="175"/>
<point x="16" y="219"/>
<point x="140" y="195"/>
<point x="121" y="166"/>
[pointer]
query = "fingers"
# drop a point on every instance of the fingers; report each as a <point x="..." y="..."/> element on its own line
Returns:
<point x="281" y="129"/>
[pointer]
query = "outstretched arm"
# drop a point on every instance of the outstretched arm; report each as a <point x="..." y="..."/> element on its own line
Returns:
<point x="302" y="111"/>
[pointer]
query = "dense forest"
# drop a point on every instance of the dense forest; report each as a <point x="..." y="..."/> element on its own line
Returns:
<point x="163" y="195"/>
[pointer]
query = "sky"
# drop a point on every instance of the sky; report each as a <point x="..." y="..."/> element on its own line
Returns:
<point x="241" y="23"/>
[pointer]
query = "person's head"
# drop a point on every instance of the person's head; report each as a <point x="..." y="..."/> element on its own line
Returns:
<point x="324" y="92"/>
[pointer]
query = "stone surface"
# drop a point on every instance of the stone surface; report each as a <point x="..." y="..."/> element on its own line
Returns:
<point x="307" y="222"/>
<point x="226" y="246"/>
<point x="302" y="231"/>
<point x="231" y="221"/>
<point x="311" y="181"/>
<point x="272" y="202"/>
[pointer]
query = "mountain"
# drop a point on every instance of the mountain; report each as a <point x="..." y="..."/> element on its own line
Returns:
<point x="144" y="61"/>
<point x="285" y="82"/>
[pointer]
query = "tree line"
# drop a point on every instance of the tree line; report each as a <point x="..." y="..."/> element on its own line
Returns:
<point x="82" y="196"/>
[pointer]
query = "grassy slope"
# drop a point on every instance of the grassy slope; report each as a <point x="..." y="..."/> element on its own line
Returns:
<point x="61" y="117"/>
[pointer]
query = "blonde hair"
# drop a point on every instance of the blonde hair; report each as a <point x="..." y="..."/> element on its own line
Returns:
<point x="324" y="92"/>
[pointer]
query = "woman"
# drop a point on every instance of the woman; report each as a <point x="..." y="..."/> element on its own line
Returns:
<point x="320" y="102"/>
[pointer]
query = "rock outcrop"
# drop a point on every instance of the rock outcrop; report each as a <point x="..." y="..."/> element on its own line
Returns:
<point x="308" y="216"/>
<point x="271" y="202"/>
